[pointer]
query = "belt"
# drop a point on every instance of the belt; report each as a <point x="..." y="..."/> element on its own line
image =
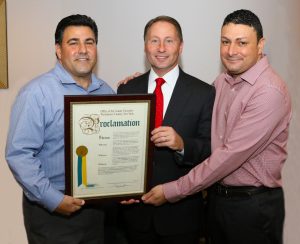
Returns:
<point x="239" y="191"/>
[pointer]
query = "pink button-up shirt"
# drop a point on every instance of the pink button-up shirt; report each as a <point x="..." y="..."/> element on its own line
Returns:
<point x="250" y="123"/>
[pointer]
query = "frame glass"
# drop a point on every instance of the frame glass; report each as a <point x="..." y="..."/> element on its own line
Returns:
<point x="108" y="152"/>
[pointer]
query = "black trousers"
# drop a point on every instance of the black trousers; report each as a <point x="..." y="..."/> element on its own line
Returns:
<point x="140" y="227"/>
<point x="151" y="237"/>
<point x="42" y="227"/>
<point x="246" y="219"/>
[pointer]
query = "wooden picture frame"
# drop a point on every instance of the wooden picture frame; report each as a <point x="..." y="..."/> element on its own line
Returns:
<point x="3" y="46"/>
<point x="108" y="152"/>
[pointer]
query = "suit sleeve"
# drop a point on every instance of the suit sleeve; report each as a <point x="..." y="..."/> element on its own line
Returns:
<point x="198" y="146"/>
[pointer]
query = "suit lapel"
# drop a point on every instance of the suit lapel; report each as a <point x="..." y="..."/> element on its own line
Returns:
<point x="178" y="101"/>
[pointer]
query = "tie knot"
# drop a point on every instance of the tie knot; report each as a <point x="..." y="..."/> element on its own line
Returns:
<point x="159" y="81"/>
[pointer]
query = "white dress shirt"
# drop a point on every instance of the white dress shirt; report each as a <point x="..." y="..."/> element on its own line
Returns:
<point x="167" y="88"/>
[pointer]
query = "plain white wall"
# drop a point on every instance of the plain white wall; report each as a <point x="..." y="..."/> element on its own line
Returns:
<point x="31" y="26"/>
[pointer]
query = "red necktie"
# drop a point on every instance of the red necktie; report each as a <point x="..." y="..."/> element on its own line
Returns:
<point x="159" y="102"/>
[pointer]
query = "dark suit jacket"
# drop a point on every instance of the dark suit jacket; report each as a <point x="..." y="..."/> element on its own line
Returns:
<point x="189" y="113"/>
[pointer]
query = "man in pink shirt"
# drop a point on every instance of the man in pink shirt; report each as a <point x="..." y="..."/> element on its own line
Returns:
<point x="251" y="116"/>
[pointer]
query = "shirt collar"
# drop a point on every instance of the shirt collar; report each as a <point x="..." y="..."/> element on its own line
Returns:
<point x="170" y="77"/>
<point x="66" y="78"/>
<point x="251" y="74"/>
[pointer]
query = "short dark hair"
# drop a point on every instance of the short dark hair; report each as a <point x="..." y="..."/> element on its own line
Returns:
<point x="245" y="17"/>
<point x="74" y="20"/>
<point x="164" y="18"/>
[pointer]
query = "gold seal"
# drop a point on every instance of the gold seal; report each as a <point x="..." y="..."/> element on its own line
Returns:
<point x="81" y="151"/>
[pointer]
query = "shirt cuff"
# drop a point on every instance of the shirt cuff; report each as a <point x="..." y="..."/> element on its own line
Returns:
<point x="170" y="191"/>
<point x="181" y="152"/>
<point x="52" y="199"/>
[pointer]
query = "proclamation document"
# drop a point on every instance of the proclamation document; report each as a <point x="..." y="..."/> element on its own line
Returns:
<point x="109" y="146"/>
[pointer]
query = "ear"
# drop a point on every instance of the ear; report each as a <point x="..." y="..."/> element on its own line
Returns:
<point x="261" y="44"/>
<point x="181" y="47"/>
<point x="58" y="51"/>
<point x="145" y="44"/>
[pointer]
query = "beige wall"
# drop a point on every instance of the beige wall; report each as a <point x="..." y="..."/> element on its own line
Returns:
<point x="31" y="26"/>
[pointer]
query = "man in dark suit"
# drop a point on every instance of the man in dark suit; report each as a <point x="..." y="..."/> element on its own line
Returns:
<point x="181" y="141"/>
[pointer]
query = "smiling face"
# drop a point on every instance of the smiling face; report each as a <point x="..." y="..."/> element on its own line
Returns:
<point x="163" y="47"/>
<point x="239" y="49"/>
<point x="78" y="52"/>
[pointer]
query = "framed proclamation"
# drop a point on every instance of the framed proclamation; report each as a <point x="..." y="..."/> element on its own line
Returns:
<point x="108" y="153"/>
